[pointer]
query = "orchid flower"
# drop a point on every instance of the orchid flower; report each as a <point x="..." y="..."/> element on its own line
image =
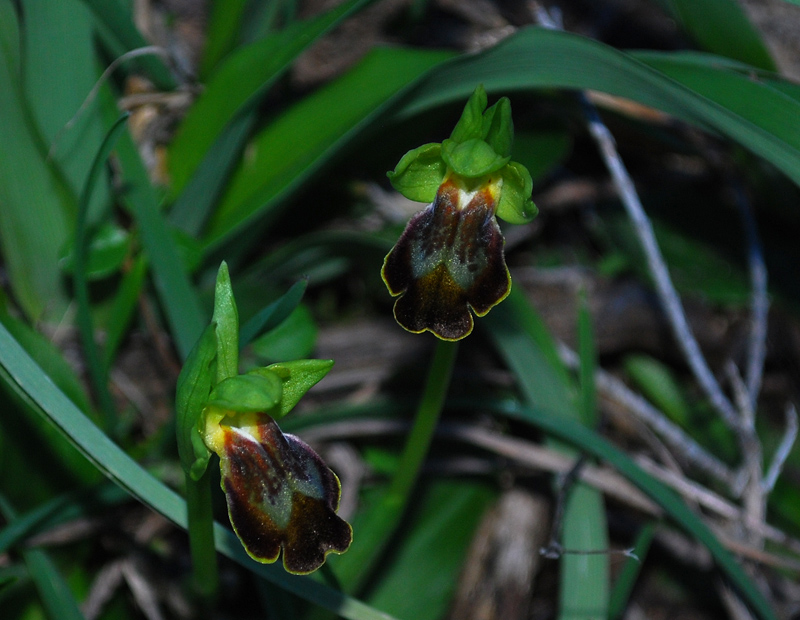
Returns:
<point x="450" y="257"/>
<point x="281" y="495"/>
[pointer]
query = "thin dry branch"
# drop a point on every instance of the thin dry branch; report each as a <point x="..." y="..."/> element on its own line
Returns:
<point x="604" y="479"/>
<point x="681" y="443"/>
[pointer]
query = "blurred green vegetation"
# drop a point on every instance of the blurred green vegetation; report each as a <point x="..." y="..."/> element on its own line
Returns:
<point x="269" y="174"/>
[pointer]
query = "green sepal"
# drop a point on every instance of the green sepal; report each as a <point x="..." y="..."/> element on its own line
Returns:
<point x="226" y="317"/>
<point x="498" y="128"/>
<point x="472" y="158"/>
<point x="516" y="206"/>
<point x="253" y="392"/>
<point x="194" y="386"/>
<point x="470" y="125"/>
<point x="419" y="173"/>
<point x="298" y="377"/>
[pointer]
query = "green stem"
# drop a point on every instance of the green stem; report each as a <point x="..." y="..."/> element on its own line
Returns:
<point x="430" y="407"/>
<point x="201" y="535"/>
<point x="378" y="525"/>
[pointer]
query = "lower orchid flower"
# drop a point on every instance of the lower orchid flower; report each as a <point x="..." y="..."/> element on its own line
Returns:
<point x="280" y="493"/>
<point x="450" y="260"/>
<point x="281" y="496"/>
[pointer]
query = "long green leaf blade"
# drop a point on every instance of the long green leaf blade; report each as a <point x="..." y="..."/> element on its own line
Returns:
<point x="539" y="58"/>
<point x="722" y="27"/>
<point x="238" y="84"/>
<point x="60" y="70"/>
<point x="300" y="140"/>
<point x="30" y="245"/>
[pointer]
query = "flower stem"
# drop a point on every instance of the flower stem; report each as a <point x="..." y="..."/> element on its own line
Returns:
<point x="430" y="407"/>
<point x="201" y="535"/>
<point x="373" y="534"/>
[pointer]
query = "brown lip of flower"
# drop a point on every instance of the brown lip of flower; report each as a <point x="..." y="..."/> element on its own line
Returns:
<point x="280" y="494"/>
<point x="449" y="260"/>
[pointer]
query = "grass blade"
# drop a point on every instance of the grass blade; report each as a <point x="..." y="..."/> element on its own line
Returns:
<point x="30" y="245"/>
<point x="238" y="84"/>
<point x="584" y="578"/>
<point x="56" y="596"/>
<point x="310" y="132"/>
<point x="626" y="579"/>
<point x="722" y="27"/>
<point x="184" y="313"/>
<point x="60" y="70"/>
<point x="115" y="21"/>
<point x="273" y="315"/>
<point x="539" y="58"/>
<point x="97" y="370"/>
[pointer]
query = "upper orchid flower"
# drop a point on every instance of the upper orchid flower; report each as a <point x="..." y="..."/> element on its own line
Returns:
<point x="450" y="256"/>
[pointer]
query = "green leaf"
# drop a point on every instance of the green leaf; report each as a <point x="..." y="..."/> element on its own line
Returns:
<point x="298" y="377"/>
<point x="274" y="314"/>
<point x="534" y="58"/>
<point x="114" y="20"/>
<point x="59" y="72"/>
<point x="498" y="127"/>
<point x="193" y="206"/>
<point x="626" y="579"/>
<point x="56" y="596"/>
<point x="30" y="245"/>
<point x="108" y="248"/>
<point x="9" y="37"/>
<point x="238" y="83"/>
<point x="294" y="338"/>
<point x="472" y="158"/>
<point x="223" y="29"/>
<point x="310" y="132"/>
<point x="429" y="555"/>
<point x="584" y="584"/>
<point x="123" y="308"/>
<point x="722" y="27"/>
<point x="516" y="206"/>
<point x="419" y="173"/>
<point x="181" y="305"/>
<point x="49" y="359"/>
<point x="530" y="353"/>
<point x="257" y="391"/>
<point x="28" y="379"/>
<point x="191" y="395"/>
<point x="470" y="124"/>
<point x="97" y="370"/>
<point x="658" y="385"/>
<point x="226" y="318"/>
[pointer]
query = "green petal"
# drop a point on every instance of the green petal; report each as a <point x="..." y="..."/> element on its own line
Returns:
<point x="472" y="158"/>
<point x="281" y="495"/>
<point x="448" y="260"/>
<point x="516" y="206"/>
<point x="419" y="173"/>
